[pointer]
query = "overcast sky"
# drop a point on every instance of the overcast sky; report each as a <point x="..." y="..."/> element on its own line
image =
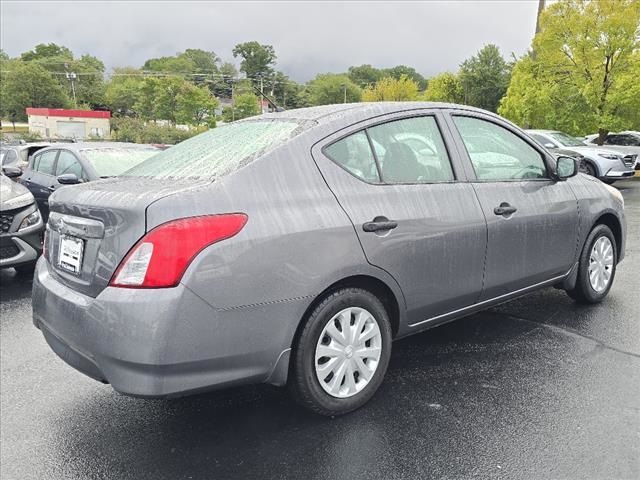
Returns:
<point x="309" y="37"/>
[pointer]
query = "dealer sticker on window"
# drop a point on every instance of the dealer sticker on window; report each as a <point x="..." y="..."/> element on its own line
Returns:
<point x="70" y="254"/>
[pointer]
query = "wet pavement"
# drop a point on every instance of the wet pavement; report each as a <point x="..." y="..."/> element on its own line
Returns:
<point x="537" y="388"/>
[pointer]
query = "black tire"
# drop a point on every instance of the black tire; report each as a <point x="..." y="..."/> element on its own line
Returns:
<point x="25" y="268"/>
<point x="303" y="382"/>
<point x="583" y="292"/>
<point x="589" y="169"/>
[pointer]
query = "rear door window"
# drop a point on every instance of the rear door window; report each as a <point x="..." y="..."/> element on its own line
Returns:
<point x="411" y="150"/>
<point x="353" y="153"/>
<point x="45" y="162"/>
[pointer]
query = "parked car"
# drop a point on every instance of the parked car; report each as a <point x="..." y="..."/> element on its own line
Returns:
<point x="21" y="225"/>
<point x="18" y="154"/>
<point x="602" y="163"/>
<point x="265" y="250"/>
<point x="627" y="143"/>
<point x="72" y="163"/>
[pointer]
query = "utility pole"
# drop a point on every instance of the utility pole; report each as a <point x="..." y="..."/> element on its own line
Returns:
<point x="344" y="86"/>
<point x="71" y="76"/>
<point x="540" y="9"/>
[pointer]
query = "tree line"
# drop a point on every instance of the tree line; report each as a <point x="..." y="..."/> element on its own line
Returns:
<point x="580" y="75"/>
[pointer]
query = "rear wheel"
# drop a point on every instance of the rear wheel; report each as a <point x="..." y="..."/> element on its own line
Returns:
<point x="597" y="266"/>
<point x="342" y="353"/>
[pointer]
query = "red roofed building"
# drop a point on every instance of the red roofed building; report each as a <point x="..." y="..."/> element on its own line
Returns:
<point x="76" y="124"/>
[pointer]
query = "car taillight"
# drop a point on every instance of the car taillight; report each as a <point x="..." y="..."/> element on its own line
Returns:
<point x="161" y="257"/>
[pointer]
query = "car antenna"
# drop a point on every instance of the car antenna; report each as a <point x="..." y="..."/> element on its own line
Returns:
<point x="271" y="102"/>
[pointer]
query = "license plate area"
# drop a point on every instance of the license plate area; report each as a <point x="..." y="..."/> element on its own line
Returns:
<point x="70" y="254"/>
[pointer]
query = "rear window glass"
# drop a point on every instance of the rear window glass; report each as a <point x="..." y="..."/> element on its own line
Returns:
<point x="219" y="151"/>
<point x="111" y="162"/>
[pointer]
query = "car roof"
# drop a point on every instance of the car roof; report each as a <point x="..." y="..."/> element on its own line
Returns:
<point x="353" y="112"/>
<point x="532" y="130"/>
<point x="79" y="146"/>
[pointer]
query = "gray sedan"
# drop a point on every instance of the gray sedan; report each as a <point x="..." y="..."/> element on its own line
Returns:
<point x="294" y="247"/>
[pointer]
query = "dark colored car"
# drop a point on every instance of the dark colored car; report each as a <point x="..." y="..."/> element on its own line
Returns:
<point x="72" y="163"/>
<point x="21" y="225"/>
<point x="293" y="247"/>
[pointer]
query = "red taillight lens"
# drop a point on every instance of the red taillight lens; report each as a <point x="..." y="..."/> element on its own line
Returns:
<point x="160" y="258"/>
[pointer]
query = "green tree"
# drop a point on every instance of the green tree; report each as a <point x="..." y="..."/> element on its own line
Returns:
<point x="45" y="51"/>
<point x="328" y="88"/>
<point x="583" y="64"/>
<point x="445" y="87"/>
<point x="123" y="90"/>
<point x="195" y="105"/>
<point x="4" y="56"/>
<point x="178" y="65"/>
<point x="390" y="89"/>
<point x="399" y="71"/>
<point x="364" y="75"/>
<point x="29" y="84"/>
<point x="257" y="60"/>
<point x="485" y="78"/>
<point x="245" y="105"/>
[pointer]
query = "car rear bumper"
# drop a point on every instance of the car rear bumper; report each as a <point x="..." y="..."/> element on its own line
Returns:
<point x="159" y="343"/>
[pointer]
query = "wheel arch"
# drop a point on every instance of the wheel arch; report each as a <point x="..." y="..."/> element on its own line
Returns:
<point x="611" y="221"/>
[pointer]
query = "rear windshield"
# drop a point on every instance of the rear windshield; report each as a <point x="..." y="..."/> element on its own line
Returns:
<point x="112" y="161"/>
<point x="219" y="151"/>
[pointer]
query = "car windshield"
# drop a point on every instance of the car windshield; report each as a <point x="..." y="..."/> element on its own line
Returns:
<point x="566" y="140"/>
<point x="112" y="161"/>
<point x="220" y="151"/>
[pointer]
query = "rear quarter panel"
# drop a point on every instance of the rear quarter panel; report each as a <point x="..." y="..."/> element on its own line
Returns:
<point x="296" y="243"/>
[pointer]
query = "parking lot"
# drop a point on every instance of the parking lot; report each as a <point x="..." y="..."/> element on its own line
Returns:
<point x="537" y="388"/>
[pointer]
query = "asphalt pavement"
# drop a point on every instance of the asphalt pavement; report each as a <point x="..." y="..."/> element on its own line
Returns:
<point x="538" y="388"/>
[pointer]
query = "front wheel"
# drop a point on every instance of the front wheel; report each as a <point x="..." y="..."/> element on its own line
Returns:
<point x="342" y="353"/>
<point x="597" y="266"/>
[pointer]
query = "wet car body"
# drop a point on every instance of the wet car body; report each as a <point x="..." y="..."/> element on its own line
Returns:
<point x="21" y="226"/>
<point x="311" y="227"/>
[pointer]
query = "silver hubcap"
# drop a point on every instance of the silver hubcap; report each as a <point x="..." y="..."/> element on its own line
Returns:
<point x="601" y="264"/>
<point x="348" y="352"/>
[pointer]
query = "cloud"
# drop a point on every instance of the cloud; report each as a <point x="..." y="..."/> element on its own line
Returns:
<point x="309" y="37"/>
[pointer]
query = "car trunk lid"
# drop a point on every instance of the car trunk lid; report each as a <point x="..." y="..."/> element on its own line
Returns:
<point x="92" y="227"/>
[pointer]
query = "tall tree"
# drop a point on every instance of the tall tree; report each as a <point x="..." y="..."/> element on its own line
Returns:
<point x="403" y="70"/>
<point x="29" y="84"/>
<point x="445" y="87"/>
<point x="123" y="90"/>
<point x="364" y="75"/>
<point x="485" y="78"/>
<point x="330" y="88"/>
<point x="586" y="57"/>
<point x="257" y="60"/>
<point x="390" y="89"/>
<point x="245" y="105"/>
<point x="44" y="51"/>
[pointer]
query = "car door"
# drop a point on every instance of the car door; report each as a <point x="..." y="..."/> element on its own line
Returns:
<point x="416" y="217"/>
<point x="68" y="162"/>
<point x="40" y="179"/>
<point x="532" y="220"/>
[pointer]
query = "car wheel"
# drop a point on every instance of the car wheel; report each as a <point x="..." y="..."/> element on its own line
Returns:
<point x="597" y="267"/>
<point x="342" y="353"/>
<point x="589" y="169"/>
<point x="25" y="268"/>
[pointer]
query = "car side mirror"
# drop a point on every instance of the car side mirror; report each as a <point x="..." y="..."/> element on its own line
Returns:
<point x="12" y="172"/>
<point x="68" y="179"/>
<point x="549" y="145"/>
<point x="566" y="167"/>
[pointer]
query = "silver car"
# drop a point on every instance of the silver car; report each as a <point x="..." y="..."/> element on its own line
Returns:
<point x="626" y="143"/>
<point x="294" y="247"/>
<point x="601" y="162"/>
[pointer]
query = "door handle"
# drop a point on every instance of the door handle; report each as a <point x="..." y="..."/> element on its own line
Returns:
<point x="379" y="224"/>
<point x="504" y="209"/>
